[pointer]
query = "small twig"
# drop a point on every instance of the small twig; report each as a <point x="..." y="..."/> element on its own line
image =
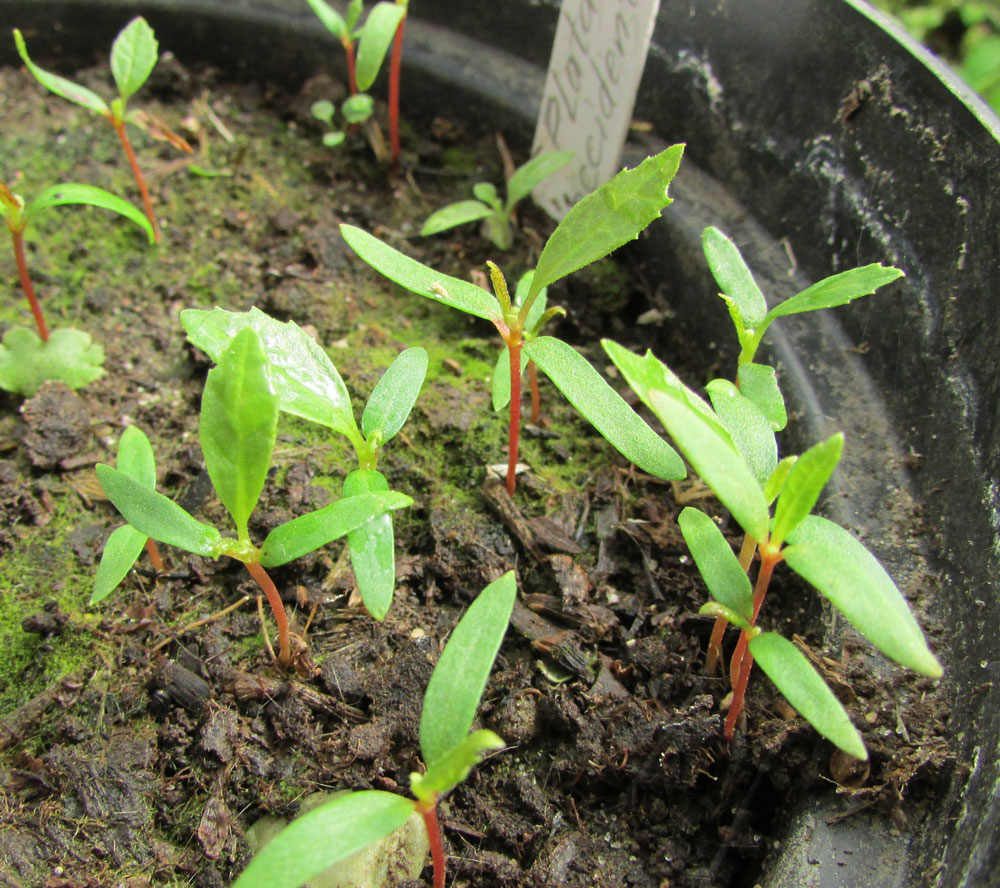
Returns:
<point x="204" y="621"/>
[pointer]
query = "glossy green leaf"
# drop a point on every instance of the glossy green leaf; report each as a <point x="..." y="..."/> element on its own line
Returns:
<point x="454" y="214"/>
<point x="69" y="90"/>
<point x="846" y="573"/>
<point x="807" y="693"/>
<point x="838" y="289"/>
<point x="374" y="39"/>
<point x="74" y="193"/>
<point x="372" y="546"/>
<point x="459" y="678"/>
<point x="530" y="174"/>
<point x="708" y="447"/>
<point x="759" y="383"/>
<point x="316" y="841"/>
<point x="604" y="408"/>
<point x="239" y="425"/>
<point x="776" y="483"/>
<point x="332" y="20"/>
<point x="154" y="515"/>
<point x="121" y="551"/>
<point x="454" y="766"/>
<point x="133" y="56"/>
<point x="501" y="377"/>
<point x="303" y="376"/>
<point x="738" y="288"/>
<point x="309" y="532"/>
<point x="420" y="279"/>
<point x="718" y="565"/>
<point x="748" y="428"/>
<point x="394" y="395"/>
<point x="69" y="355"/>
<point x="135" y="456"/>
<point x="806" y="480"/>
<point x="611" y="216"/>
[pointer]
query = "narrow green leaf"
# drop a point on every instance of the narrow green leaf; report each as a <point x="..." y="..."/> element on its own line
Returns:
<point x="805" y="690"/>
<point x="372" y="546"/>
<point x="776" y="483"/>
<point x="806" y="480"/>
<point x="844" y="571"/>
<point x="135" y="456"/>
<point x="74" y="193"/>
<point x="303" y="376"/>
<point x="454" y="766"/>
<point x="154" y="515"/>
<point x="604" y="408"/>
<point x="715" y="608"/>
<point x="501" y="377"/>
<point x="394" y="395"/>
<point x="608" y="218"/>
<point x="121" y="551"/>
<point x="374" y="40"/>
<point x="735" y="279"/>
<point x="453" y="215"/>
<point x="239" y="425"/>
<point x="459" y="678"/>
<point x="309" y="532"/>
<point x="538" y="307"/>
<point x="69" y="90"/>
<point x="536" y="170"/>
<point x="133" y="56"/>
<point x="838" y="289"/>
<point x="747" y="426"/>
<point x="420" y="279"/>
<point x="759" y="383"/>
<point x="326" y="835"/>
<point x="331" y="19"/>
<point x="708" y="447"/>
<point x="718" y="565"/>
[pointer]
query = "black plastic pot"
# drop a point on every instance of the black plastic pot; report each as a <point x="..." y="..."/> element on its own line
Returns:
<point x="821" y="138"/>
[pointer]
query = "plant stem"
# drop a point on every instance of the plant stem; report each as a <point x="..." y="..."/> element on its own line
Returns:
<point x="719" y="629"/>
<point x="139" y="178"/>
<point x="154" y="554"/>
<point x="352" y="77"/>
<point x="536" y="398"/>
<point x="280" y="617"/>
<point x="434" y="838"/>
<point x="515" y="410"/>
<point x="394" y="70"/>
<point x="26" y="285"/>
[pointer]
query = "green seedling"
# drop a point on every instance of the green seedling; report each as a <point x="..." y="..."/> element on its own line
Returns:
<point x="133" y="57"/>
<point x="307" y="384"/>
<point x="355" y="110"/>
<point x="600" y="223"/>
<point x="495" y="213"/>
<point x="27" y="359"/>
<point x="332" y="832"/>
<point x="237" y="433"/>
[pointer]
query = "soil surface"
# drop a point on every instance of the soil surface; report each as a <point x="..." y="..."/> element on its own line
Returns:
<point x="136" y="749"/>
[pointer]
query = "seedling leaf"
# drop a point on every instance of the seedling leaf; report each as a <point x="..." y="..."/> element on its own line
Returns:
<point x="133" y="56"/>
<point x="316" y="841"/>
<point x="459" y="678"/>
<point x="75" y="193"/>
<point x="357" y="108"/>
<point x="776" y="483"/>
<point x="501" y="377"/>
<point x="843" y="570"/>
<point x="121" y="551"/>
<point x="759" y="383"/>
<point x="735" y="280"/>
<point x="487" y="193"/>
<point x="747" y="426"/>
<point x="451" y="769"/>
<point x="69" y="90"/>
<point x="332" y="20"/>
<point x="806" y="480"/>
<point x="805" y="690"/>
<point x="603" y="407"/>
<point x="135" y="456"/>
<point x="838" y="289"/>
<point x="717" y="563"/>
<point x="454" y="214"/>
<point x="528" y="175"/>
<point x="394" y="395"/>
<point x="718" y="609"/>
<point x="69" y="355"/>
<point x="372" y="546"/>
<point x="374" y="39"/>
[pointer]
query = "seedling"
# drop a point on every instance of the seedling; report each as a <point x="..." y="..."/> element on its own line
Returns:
<point x="330" y="833"/>
<point x="133" y="57"/>
<point x="307" y="384"/>
<point x="237" y="432"/>
<point x="495" y="213"/>
<point x="605" y="220"/>
<point x="27" y="359"/>
<point x="355" y="110"/>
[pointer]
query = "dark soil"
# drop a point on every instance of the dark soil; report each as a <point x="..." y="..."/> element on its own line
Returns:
<point x="136" y="751"/>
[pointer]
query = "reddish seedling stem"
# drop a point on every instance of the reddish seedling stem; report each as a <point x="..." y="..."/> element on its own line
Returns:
<point x="719" y="629"/>
<point x="27" y="286"/>
<point x="352" y="77"/>
<point x="536" y="398"/>
<point x="515" y="410"/>
<point x="280" y="617"/>
<point x="394" y="70"/>
<point x="434" y="838"/>
<point x="139" y="178"/>
<point x="153" y="551"/>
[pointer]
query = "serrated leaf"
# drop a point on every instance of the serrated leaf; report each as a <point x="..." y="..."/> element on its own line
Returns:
<point x="459" y="678"/>
<point x="807" y="693"/>
<point x="69" y="90"/>
<point x="309" y="532"/>
<point x="452" y="768"/>
<point x="394" y="395"/>
<point x="133" y="56"/>
<point x="604" y="408"/>
<point x="718" y="565"/>
<point x="734" y="278"/>
<point x="455" y="214"/>
<point x="748" y="428"/>
<point x="530" y="174"/>
<point x="374" y="39"/>
<point x="420" y="279"/>
<point x="326" y="835"/>
<point x="611" y="216"/>
<point x="332" y="20"/>
<point x="69" y="355"/>
<point x="372" y="546"/>
<point x="238" y="427"/>
<point x="806" y="480"/>
<point x="846" y="573"/>
<point x="75" y="193"/>
<point x="154" y="515"/>
<point x="838" y="289"/>
<point x="121" y="551"/>
<point x="759" y="383"/>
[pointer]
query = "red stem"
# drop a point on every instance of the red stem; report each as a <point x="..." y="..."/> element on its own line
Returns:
<point x="719" y="629"/>
<point x="274" y="599"/>
<point x="536" y="398"/>
<point x="352" y="76"/>
<point x="26" y="285"/>
<point x="139" y="178"/>
<point x="394" y="69"/>
<point x="434" y="838"/>
<point x="154" y="554"/>
<point x="515" y="412"/>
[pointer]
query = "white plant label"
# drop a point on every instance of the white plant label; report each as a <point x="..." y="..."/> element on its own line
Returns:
<point x="597" y="60"/>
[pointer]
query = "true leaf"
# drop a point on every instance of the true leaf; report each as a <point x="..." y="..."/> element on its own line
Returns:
<point x="807" y="693"/>
<point x="806" y="480"/>
<point x="735" y="280"/>
<point x="133" y="56"/>
<point x="528" y="175"/>
<point x="239" y="423"/>
<point x="846" y="573"/>
<point x="69" y="355"/>
<point x="372" y="546"/>
<point x="373" y="41"/>
<point x="487" y="193"/>
<point x="611" y="216"/>
<point x="759" y="383"/>
<point x="717" y="563"/>
<point x="775" y="484"/>
<point x="69" y="90"/>
<point x="394" y="395"/>
<point x="121" y="551"/>
<point x="454" y="766"/>
<point x="604" y="408"/>
<point x="715" y="608"/>
<point x="459" y="678"/>
<point x="838" y="289"/>
<point x="75" y="193"/>
<point x="135" y="456"/>
<point x="332" y="20"/>
<point x="747" y="426"/>
<point x="454" y="214"/>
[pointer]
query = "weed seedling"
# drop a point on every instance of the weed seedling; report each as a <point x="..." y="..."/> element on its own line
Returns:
<point x="605" y="220"/>
<point x="328" y="834"/>
<point x="307" y="384"/>
<point x="237" y="432"/>
<point x="133" y="57"/>
<point x="355" y="110"/>
<point x="495" y="213"/>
